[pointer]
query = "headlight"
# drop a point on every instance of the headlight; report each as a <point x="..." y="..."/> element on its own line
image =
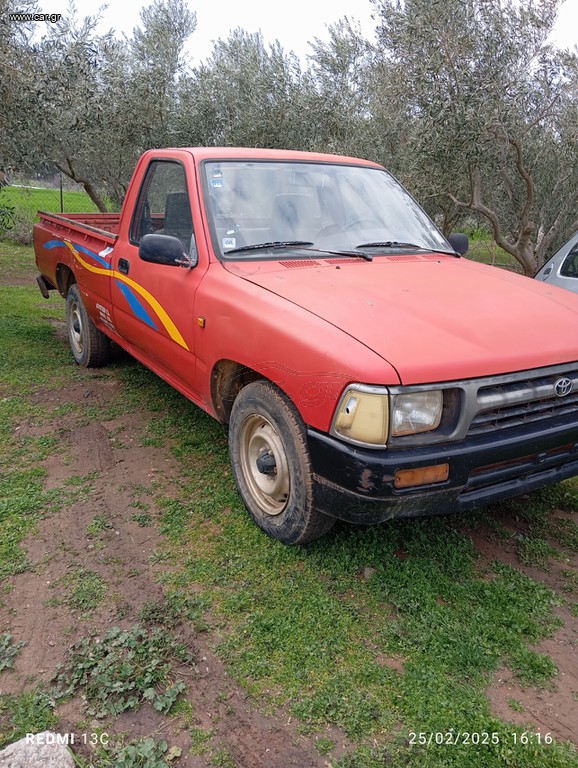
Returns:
<point x="416" y="412"/>
<point x="369" y="415"/>
<point x="363" y="415"/>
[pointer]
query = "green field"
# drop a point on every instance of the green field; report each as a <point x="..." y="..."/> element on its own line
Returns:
<point x="19" y="207"/>
<point x="377" y="644"/>
<point x="29" y="201"/>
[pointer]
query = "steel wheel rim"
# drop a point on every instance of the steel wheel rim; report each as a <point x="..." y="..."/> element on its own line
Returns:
<point x="260" y="439"/>
<point x="75" y="328"/>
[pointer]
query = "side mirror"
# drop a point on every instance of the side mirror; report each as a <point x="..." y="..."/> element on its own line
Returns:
<point x="168" y="250"/>
<point x="459" y="242"/>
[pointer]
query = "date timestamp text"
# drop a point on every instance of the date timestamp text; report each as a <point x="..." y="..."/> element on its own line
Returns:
<point x="477" y="738"/>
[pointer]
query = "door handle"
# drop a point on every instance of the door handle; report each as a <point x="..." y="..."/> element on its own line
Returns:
<point x="123" y="266"/>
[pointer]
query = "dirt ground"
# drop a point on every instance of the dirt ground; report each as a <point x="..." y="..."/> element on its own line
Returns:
<point x="113" y="455"/>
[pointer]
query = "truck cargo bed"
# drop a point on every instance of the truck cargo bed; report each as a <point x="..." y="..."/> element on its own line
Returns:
<point x="104" y="224"/>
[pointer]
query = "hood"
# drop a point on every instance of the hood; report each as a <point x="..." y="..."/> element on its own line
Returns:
<point x="433" y="318"/>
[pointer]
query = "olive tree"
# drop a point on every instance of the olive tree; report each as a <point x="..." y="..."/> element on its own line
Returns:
<point x="340" y="102"/>
<point x="88" y="103"/>
<point x="69" y="111"/>
<point x="156" y="64"/>
<point x="15" y="75"/>
<point x="488" y="109"/>
<point x="246" y="93"/>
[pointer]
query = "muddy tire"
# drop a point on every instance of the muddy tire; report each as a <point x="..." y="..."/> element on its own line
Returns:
<point x="90" y="347"/>
<point x="271" y="465"/>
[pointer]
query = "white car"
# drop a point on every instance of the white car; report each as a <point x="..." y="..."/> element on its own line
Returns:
<point x="562" y="268"/>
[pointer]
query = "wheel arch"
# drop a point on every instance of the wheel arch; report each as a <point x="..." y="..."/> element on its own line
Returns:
<point x="64" y="278"/>
<point x="228" y="378"/>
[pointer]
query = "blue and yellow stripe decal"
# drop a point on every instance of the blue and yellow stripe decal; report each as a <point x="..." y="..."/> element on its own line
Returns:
<point x="136" y="305"/>
<point x="129" y="288"/>
<point x="81" y="248"/>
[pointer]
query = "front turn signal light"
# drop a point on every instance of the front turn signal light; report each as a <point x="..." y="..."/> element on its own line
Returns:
<point x="363" y="415"/>
<point x="410" y="478"/>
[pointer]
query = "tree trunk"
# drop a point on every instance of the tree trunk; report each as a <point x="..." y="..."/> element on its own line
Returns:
<point x="523" y="249"/>
<point x="69" y="171"/>
<point x="94" y="196"/>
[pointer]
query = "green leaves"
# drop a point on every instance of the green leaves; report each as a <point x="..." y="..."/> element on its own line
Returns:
<point x="147" y="753"/>
<point x="123" y="670"/>
<point x="8" y="651"/>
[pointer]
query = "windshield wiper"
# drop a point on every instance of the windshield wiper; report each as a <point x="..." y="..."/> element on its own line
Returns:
<point x="272" y="244"/>
<point x="303" y="245"/>
<point x="337" y="252"/>
<point x="395" y="244"/>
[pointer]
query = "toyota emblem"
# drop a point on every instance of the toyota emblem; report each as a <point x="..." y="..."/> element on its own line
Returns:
<point x="563" y="387"/>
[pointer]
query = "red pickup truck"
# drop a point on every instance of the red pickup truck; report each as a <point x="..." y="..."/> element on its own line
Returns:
<point x="365" y="370"/>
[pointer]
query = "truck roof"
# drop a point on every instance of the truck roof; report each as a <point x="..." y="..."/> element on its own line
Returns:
<point x="247" y="153"/>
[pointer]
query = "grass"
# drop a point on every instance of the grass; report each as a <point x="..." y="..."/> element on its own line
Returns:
<point x="30" y="712"/>
<point x="200" y="739"/>
<point x="19" y="207"/>
<point x="381" y="632"/>
<point x="27" y="335"/>
<point x="176" y="607"/>
<point x="99" y="524"/>
<point x="29" y="201"/>
<point x="23" y="502"/>
<point x="30" y="361"/>
<point x="16" y="264"/>
<point x="86" y="591"/>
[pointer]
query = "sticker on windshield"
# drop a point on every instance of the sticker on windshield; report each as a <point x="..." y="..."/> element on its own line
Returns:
<point x="229" y="242"/>
<point x="217" y="183"/>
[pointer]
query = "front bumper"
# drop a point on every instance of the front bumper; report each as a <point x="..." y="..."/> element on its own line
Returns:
<point x="356" y="484"/>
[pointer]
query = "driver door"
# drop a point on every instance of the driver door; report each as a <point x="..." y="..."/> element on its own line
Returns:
<point x="153" y="303"/>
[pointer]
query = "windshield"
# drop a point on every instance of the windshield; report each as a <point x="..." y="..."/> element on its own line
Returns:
<point x="333" y="207"/>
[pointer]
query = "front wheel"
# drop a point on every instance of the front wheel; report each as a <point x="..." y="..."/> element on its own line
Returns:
<point x="90" y="347"/>
<point x="271" y="465"/>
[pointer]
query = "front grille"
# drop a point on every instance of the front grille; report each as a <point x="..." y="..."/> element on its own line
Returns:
<point x="513" y="404"/>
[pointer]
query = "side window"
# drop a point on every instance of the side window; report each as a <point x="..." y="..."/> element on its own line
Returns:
<point x="570" y="266"/>
<point x="163" y="206"/>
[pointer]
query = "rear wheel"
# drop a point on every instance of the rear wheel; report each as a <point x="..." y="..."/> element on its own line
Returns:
<point x="271" y="465"/>
<point x="90" y="347"/>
